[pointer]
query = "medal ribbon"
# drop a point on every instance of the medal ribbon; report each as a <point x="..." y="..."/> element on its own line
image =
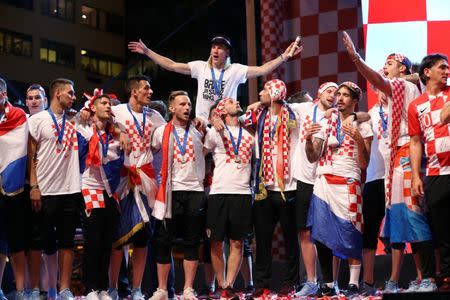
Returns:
<point x="233" y="142"/>
<point x="384" y="120"/>
<point x="182" y="148"/>
<point x="136" y="122"/>
<point x="315" y="114"/>
<point x="217" y="84"/>
<point x="105" y="145"/>
<point x="60" y="132"/>
<point x="340" y="137"/>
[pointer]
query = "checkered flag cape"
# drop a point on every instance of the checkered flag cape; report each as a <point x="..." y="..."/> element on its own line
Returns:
<point x="331" y="141"/>
<point x="264" y="171"/>
<point x="398" y="96"/>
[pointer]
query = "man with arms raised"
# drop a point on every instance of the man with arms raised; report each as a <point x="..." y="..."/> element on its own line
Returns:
<point x="400" y="204"/>
<point x="217" y="78"/>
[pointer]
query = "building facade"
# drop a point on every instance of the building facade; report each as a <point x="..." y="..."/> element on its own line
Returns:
<point x="82" y="40"/>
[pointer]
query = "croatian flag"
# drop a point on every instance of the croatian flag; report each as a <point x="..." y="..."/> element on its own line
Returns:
<point x="335" y="215"/>
<point x="13" y="149"/>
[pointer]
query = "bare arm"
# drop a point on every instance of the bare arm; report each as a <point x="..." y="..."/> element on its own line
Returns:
<point x="35" y="193"/>
<point x="164" y="62"/>
<point x="313" y="149"/>
<point x="371" y="75"/>
<point x="255" y="71"/>
<point x="415" y="155"/>
<point x="445" y="113"/>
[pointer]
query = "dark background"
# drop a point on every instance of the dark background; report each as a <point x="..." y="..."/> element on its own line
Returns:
<point x="182" y="30"/>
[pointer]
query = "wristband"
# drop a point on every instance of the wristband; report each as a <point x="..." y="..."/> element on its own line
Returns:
<point x="282" y="57"/>
<point x="34" y="186"/>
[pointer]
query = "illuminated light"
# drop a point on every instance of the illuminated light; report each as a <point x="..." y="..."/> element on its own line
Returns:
<point x="83" y="16"/>
<point x="83" y="52"/>
<point x="55" y="11"/>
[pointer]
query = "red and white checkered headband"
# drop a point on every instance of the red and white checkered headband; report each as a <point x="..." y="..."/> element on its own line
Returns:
<point x="96" y="95"/>
<point x="277" y="89"/>
<point x="324" y="86"/>
<point x="220" y="108"/>
<point x="354" y="87"/>
<point x="401" y="59"/>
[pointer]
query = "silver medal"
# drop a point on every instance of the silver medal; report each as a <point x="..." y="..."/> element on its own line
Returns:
<point x="183" y="159"/>
<point x="237" y="160"/>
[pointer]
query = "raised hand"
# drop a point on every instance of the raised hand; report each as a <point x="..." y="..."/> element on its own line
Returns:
<point x="349" y="46"/>
<point x="138" y="47"/>
<point x="287" y="52"/>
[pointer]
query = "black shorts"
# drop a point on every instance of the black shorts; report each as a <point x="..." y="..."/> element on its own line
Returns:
<point x="373" y="212"/>
<point x="186" y="223"/>
<point x="229" y="215"/>
<point x="303" y="195"/>
<point x="61" y="215"/>
<point x="14" y="208"/>
<point x="35" y="228"/>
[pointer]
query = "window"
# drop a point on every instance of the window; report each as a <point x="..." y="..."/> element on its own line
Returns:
<point x="100" y="64"/>
<point x="102" y="20"/>
<point x="57" y="53"/>
<point x="15" y="43"/>
<point x="27" y="4"/>
<point x="61" y="9"/>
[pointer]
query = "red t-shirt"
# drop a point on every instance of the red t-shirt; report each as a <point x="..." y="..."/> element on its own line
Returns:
<point x="424" y="120"/>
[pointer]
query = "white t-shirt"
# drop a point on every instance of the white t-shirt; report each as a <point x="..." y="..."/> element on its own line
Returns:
<point x="304" y="170"/>
<point x="411" y="93"/>
<point x="57" y="169"/>
<point x="141" y="153"/>
<point x="344" y="159"/>
<point x="188" y="172"/>
<point x="379" y="149"/>
<point x="233" y="76"/>
<point x="229" y="176"/>
<point x="94" y="178"/>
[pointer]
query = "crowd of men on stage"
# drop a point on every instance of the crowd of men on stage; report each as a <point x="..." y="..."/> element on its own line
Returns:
<point x="226" y="176"/>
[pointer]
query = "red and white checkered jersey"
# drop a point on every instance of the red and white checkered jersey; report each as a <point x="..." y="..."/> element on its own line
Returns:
<point x="290" y="184"/>
<point x="424" y="120"/>
<point x="188" y="172"/>
<point x="230" y="177"/>
<point x="304" y="170"/>
<point x="341" y="161"/>
<point x="411" y="92"/>
<point x="141" y="153"/>
<point x="58" y="170"/>
<point x="94" y="178"/>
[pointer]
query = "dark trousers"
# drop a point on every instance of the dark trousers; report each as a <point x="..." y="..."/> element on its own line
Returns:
<point x="325" y="256"/>
<point x="437" y="190"/>
<point x="266" y="214"/>
<point x="98" y="237"/>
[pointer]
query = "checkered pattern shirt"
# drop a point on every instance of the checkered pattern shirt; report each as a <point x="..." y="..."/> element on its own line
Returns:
<point x="424" y="120"/>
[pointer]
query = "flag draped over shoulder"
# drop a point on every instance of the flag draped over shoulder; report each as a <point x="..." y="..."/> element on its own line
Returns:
<point x="13" y="149"/>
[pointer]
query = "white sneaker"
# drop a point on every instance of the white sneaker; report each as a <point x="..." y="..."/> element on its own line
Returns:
<point x="189" y="294"/>
<point x="159" y="294"/>
<point x="103" y="295"/>
<point x="92" y="296"/>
